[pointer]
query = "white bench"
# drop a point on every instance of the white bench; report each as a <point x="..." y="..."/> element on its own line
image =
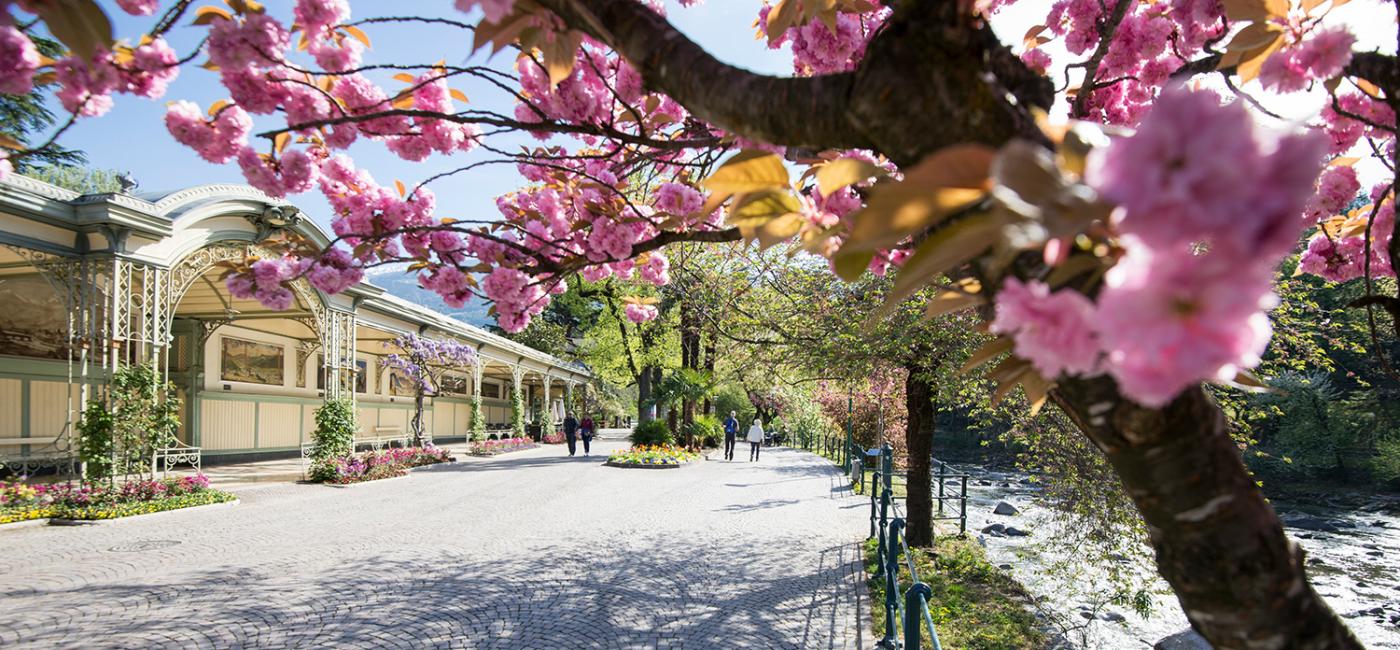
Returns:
<point x="163" y="459"/>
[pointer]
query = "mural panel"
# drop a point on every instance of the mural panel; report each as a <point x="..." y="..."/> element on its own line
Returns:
<point x="34" y="322"/>
<point x="252" y="362"/>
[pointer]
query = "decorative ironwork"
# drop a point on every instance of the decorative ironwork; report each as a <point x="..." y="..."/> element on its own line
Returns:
<point x="179" y="453"/>
<point x="274" y="219"/>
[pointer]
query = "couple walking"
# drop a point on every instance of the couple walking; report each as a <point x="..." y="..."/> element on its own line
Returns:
<point x="573" y="429"/>
<point x="731" y="432"/>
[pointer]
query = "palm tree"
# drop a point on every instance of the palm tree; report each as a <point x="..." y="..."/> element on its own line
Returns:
<point x="689" y="386"/>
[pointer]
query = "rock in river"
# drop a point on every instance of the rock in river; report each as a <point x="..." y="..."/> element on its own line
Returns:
<point x="1004" y="508"/>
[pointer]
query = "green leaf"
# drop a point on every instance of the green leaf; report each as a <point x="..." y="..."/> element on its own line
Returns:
<point x="748" y="171"/>
<point x="850" y="266"/>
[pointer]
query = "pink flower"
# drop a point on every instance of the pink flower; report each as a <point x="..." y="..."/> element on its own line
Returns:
<point x="494" y="10"/>
<point x="1036" y="59"/>
<point x="678" y="199"/>
<point x="640" y="313"/>
<point x="1168" y="319"/>
<point x="1335" y="189"/>
<point x="18" y="61"/>
<point x="656" y="269"/>
<point x="1198" y="171"/>
<point x="139" y="7"/>
<point x="1054" y="331"/>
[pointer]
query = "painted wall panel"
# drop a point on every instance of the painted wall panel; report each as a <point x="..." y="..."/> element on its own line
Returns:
<point x="278" y="425"/>
<point x="226" y="424"/>
<point x="48" y="408"/>
<point x="10" y="408"/>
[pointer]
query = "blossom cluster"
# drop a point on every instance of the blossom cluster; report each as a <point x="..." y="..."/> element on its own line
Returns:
<point x="1208" y="206"/>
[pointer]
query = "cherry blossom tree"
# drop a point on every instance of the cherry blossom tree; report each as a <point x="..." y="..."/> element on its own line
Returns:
<point x="1118" y="268"/>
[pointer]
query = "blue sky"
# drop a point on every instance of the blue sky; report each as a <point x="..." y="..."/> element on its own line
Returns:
<point x="132" y="137"/>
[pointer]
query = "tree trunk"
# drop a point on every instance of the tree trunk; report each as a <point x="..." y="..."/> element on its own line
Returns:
<point x="644" y="388"/>
<point x="918" y="437"/>
<point x="418" y="417"/>
<point x="1240" y="580"/>
<point x="709" y="367"/>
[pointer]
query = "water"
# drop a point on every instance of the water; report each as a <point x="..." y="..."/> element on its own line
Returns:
<point x="1353" y="562"/>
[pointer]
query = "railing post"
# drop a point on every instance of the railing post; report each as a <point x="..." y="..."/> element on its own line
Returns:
<point x="872" y="505"/>
<point x="942" y="471"/>
<point x="892" y="584"/>
<point x="881" y="528"/>
<point x="962" y="508"/>
<point x="912" y="610"/>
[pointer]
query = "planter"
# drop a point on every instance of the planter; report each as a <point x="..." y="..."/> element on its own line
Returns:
<point x="369" y="482"/>
<point x="25" y="523"/>
<point x="489" y="454"/>
<point x="64" y="521"/>
<point x="645" y="465"/>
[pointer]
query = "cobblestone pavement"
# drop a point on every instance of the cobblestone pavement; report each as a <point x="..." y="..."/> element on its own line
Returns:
<point x="528" y="550"/>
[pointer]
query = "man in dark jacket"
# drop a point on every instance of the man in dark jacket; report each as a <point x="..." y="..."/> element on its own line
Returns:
<point x="570" y="431"/>
<point x="731" y="431"/>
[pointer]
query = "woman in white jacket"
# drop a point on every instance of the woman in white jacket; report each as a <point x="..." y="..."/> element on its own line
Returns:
<point x="755" y="438"/>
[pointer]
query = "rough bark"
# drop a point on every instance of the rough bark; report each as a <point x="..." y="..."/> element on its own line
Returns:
<point x="644" y="390"/>
<point x="1219" y="544"/>
<point x="929" y="63"/>
<point x="919" y="394"/>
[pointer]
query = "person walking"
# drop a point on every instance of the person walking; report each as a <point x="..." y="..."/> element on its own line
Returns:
<point x="571" y="432"/>
<point x="755" y="438"/>
<point x="587" y="430"/>
<point x="731" y="433"/>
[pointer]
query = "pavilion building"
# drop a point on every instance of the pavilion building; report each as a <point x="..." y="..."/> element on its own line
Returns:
<point x="89" y="283"/>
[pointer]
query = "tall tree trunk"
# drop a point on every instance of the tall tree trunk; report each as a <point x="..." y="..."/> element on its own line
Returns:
<point x="1240" y="580"/>
<point x="644" y="391"/>
<point x="919" y="394"/>
<point x="709" y="366"/>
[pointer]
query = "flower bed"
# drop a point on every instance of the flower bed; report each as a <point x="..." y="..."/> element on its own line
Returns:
<point x="379" y="464"/>
<point x="652" y="456"/>
<point x="89" y="501"/>
<point x="502" y="446"/>
<point x="556" y="438"/>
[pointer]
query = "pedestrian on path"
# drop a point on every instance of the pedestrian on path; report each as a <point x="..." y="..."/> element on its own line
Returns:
<point x="731" y="433"/>
<point x="587" y="430"/>
<point x="755" y="439"/>
<point x="571" y="432"/>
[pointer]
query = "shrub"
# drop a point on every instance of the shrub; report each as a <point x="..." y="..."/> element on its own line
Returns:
<point x="651" y="433"/>
<point x="707" y="431"/>
<point x="335" y="429"/>
<point x="140" y="415"/>
<point x="1386" y="464"/>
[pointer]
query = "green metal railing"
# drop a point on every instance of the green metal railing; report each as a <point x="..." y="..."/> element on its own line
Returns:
<point x="908" y="610"/>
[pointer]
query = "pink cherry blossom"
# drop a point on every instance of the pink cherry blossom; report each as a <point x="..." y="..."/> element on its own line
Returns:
<point x="1169" y="318"/>
<point x="678" y="199"/>
<point x="139" y="7"/>
<point x="494" y="10"/>
<point x="640" y="313"/>
<point x="18" y="61"/>
<point x="1053" y="331"/>
<point x="1198" y="171"/>
<point x="1335" y="189"/>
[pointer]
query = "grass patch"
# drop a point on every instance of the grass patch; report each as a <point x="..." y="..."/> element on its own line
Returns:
<point x="974" y="604"/>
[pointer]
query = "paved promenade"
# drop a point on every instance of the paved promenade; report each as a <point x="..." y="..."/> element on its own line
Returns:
<point x="528" y="550"/>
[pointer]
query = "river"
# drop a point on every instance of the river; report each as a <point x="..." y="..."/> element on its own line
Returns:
<point x="1352" y="546"/>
